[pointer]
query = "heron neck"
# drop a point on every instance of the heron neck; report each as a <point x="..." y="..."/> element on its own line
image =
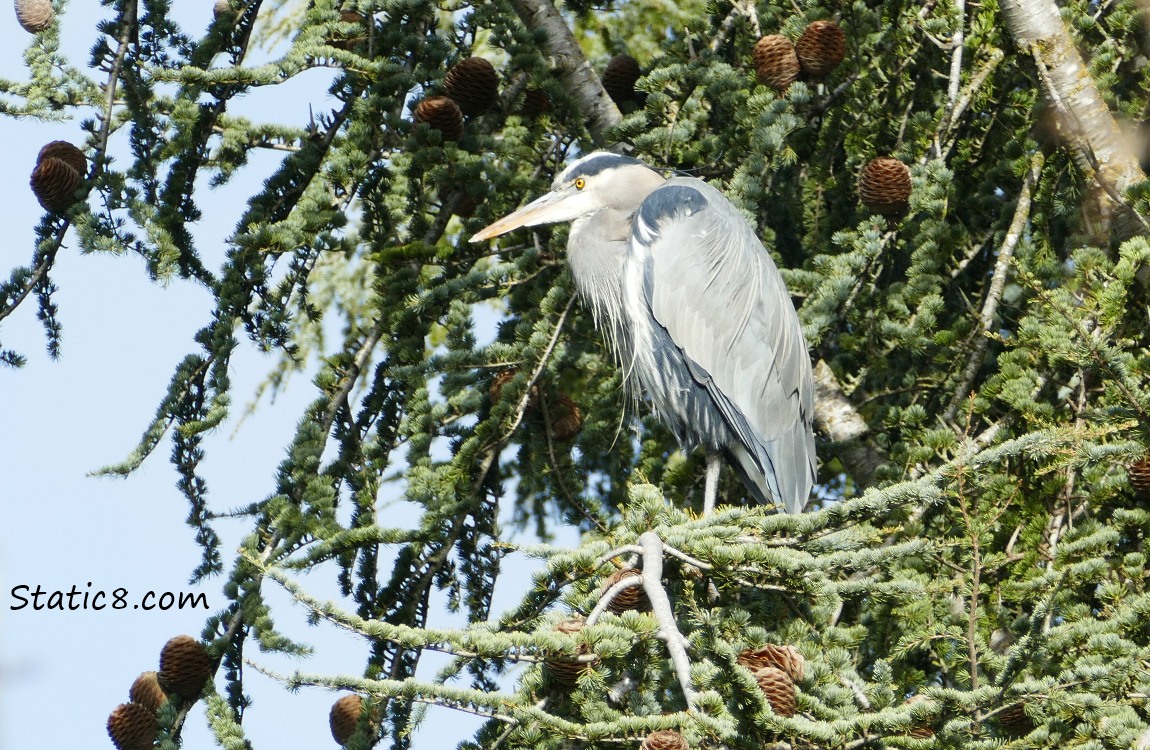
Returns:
<point x="596" y="247"/>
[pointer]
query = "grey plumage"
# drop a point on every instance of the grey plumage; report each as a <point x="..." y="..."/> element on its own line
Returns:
<point x="696" y="313"/>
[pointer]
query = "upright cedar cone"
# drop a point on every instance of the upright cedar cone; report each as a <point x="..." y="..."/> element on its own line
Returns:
<point x="442" y="114"/>
<point x="147" y="692"/>
<point x="495" y="391"/>
<point x="1014" y="721"/>
<point x="779" y="688"/>
<point x="34" y="15"/>
<point x="1139" y="473"/>
<point x="776" y="64"/>
<point x="921" y="730"/>
<point x="349" y="40"/>
<point x="184" y="667"/>
<point x="884" y="186"/>
<point x="132" y="727"/>
<point x="821" y="48"/>
<point x="633" y="597"/>
<point x="566" y="418"/>
<point x="619" y="79"/>
<point x="54" y="183"/>
<point x="67" y="153"/>
<point x="665" y="739"/>
<point x="345" y="714"/>
<point x="535" y="102"/>
<point x="786" y="658"/>
<point x="565" y="670"/>
<point x="222" y="8"/>
<point x="473" y="84"/>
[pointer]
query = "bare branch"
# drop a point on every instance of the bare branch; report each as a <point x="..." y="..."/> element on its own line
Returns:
<point x="997" y="284"/>
<point x="837" y="418"/>
<point x="669" y="633"/>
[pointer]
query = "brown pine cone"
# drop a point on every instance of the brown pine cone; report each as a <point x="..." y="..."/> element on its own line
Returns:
<point x="665" y="739"/>
<point x="786" y="658"/>
<point x="884" y="186"/>
<point x="619" y="79"/>
<point x="566" y="418"/>
<point x="565" y="670"/>
<point x="54" y="183"/>
<point x="1014" y="721"/>
<point x="821" y="48"/>
<point x="535" y="103"/>
<point x="67" y="153"/>
<point x="184" y="667"/>
<point x="349" y="40"/>
<point x="495" y="391"/>
<point x="779" y="688"/>
<point x="344" y="716"/>
<point x="1139" y="473"/>
<point x="633" y="597"/>
<point x="776" y="64"/>
<point x="132" y="727"/>
<point x="921" y="730"/>
<point x="147" y="692"/>
<point x="442" y="114"/>
<point x="34" y="15"/>
<point x="474" y="85"/>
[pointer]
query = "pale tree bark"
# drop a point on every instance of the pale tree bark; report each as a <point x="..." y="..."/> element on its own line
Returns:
<point x="574" y="70"/>
<point x="1101" y="147"/>
<point x="837" y="419"/>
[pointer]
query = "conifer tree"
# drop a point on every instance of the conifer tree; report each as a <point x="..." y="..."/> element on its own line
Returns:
<point x="954" y="195"/>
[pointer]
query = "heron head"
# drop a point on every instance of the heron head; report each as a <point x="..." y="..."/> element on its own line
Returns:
<point x="597" y="181"/>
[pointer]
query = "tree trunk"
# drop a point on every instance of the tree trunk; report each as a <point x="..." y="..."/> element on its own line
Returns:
<point x="1102" y="148"/>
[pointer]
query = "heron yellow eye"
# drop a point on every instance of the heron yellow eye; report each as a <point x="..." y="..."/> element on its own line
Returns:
<point x="580" y="183"/>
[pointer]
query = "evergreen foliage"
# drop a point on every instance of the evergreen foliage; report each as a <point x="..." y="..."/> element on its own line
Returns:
<point x="984" y="581"/>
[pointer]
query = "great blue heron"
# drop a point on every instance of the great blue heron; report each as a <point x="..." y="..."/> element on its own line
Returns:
<point x="696" y="312"/>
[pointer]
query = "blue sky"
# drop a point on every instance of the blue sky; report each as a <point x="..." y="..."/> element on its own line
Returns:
<point x="123" y="335"/>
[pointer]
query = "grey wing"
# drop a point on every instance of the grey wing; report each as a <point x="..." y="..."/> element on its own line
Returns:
<point x="715" y="289"/>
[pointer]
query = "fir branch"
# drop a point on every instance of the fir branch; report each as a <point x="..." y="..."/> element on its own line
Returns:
<point x="947" y="133"/>
<point x="478" y="641"/>
<point x="957" y="43"/>
<point x="503" y="707"/>
<point x="127" y="29"/>
<point x="24" y="280"/>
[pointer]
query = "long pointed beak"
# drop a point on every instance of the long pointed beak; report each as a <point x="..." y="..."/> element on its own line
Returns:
<point x="548" y="208"/>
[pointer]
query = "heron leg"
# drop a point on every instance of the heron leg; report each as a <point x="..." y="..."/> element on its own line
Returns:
<point x="711" y="483"/>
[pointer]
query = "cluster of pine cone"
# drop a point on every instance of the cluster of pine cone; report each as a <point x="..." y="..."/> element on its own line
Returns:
<point x="185" y="667"/>
<point x="820" y="49"/>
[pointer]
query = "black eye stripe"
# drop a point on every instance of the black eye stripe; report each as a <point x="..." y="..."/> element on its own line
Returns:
<point x="601" y="163"/>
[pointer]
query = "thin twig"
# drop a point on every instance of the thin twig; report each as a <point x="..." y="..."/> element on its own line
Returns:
<point x="994" y="292"/>
<point x="541" y="365"/>
<point x="686" y="558"/>
<point x="725" y="28"/>
<point x="626" y="549"/>
<point x="609" y="595"/>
